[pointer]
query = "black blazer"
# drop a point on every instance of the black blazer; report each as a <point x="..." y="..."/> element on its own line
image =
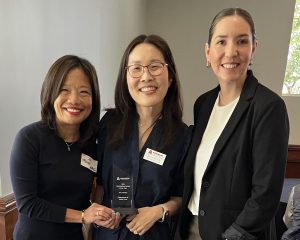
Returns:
<point x="242" y="183"/>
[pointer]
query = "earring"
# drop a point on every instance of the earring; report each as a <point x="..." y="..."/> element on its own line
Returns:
<point x="250" y="64"/>
<point x="208" y="65"/>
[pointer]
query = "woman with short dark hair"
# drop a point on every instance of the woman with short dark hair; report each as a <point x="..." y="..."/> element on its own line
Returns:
<point x="53" y="161"/>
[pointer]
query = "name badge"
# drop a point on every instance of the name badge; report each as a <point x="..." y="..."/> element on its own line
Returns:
<point x="154" y="156"/>
<point x="89" y="163"/>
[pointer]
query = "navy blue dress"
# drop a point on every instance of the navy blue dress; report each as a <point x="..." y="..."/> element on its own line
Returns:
<point x="153" y="184"/>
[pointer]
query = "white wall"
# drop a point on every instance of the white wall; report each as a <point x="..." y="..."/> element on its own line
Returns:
<point x="185" y="24"/>
<point x="34" y="33"/>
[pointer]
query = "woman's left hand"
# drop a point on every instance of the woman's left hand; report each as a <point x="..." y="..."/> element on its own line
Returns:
<point x="144" y="220"/>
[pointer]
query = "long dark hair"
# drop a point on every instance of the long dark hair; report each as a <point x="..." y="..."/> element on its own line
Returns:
<point x="125" y="109"/>
<point x="52" y="84"/>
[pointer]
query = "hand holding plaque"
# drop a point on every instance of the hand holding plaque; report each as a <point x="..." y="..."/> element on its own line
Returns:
<point x="122" y="201"/>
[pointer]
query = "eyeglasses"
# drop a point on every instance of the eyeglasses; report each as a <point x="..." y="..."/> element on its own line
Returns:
<point x="155" y="69"/>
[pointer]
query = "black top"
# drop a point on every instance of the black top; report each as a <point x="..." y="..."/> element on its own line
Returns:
<point x="47" y="179"/>
<point x="153" y="184"/>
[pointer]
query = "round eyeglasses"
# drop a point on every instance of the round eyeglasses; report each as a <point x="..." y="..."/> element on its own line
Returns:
<point x="155" y="69"/>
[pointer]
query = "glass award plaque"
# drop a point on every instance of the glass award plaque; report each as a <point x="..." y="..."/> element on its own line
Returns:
<point x="122" y="201"/>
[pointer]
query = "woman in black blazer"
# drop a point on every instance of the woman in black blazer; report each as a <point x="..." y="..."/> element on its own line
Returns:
<point x="236" y="162"/>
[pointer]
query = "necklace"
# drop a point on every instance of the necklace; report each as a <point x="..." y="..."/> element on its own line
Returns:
<point x="152" y="123"/>
<point x="147" y="130"/>
<point x="69" y="145"/>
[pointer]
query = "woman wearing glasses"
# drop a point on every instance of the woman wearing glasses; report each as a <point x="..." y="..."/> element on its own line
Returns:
<point x="143" y="141"/>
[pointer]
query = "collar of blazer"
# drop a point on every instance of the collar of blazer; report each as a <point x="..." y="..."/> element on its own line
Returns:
<point x="202" y="110"/>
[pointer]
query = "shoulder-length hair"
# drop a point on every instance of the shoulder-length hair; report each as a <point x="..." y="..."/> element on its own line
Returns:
<point x="52" y="85"/>
<point x="125" y="108"/>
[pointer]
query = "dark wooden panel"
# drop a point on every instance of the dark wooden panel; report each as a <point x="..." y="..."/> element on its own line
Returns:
<point x="293" y="163"/>
<point x="8" y="216"/>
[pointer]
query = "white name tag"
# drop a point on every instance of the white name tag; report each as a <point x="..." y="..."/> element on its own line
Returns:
<point x="88" y="162"/>
<point x="154" y="156"/>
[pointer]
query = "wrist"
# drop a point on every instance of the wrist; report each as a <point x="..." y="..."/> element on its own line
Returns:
<point x="82" y="217"/>
<point x="165" y="213"/>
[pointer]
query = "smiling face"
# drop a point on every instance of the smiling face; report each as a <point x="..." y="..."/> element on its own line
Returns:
<point x="231" y="49"/>
<point x="147" y="90"/>
<point x="74" y="103"/>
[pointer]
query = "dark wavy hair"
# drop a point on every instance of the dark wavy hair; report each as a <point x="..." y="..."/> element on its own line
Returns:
<point x="227" y="12"/>
<point x="125" y="109"/>
<point x="52" y="84"/>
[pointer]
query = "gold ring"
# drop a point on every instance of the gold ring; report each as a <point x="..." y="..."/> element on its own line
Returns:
<point x="97" y="213"/>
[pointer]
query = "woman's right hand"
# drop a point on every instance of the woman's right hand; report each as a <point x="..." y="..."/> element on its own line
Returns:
<point x="97" y="212"/>
<point x="111" y="223"/>
<point x="102" y="216"/>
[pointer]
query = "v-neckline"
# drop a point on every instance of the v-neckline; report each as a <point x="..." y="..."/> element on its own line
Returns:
<point x="148" y="138"/>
